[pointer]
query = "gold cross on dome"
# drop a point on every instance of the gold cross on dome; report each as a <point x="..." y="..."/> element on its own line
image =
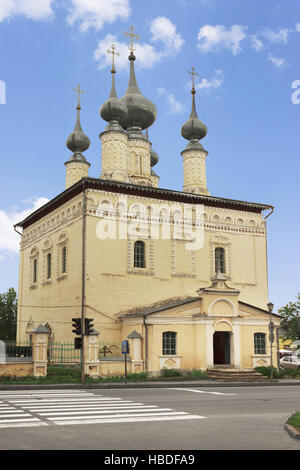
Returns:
<point x="113" y="52"/>
<point x="78" y="90"/>
<point x="194" y="74"/>
<point x="132" y="36"/>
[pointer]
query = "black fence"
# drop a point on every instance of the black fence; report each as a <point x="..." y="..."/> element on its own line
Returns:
<point x="14" y="349"/>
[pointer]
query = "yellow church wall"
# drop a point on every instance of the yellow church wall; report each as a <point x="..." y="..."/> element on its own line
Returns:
<point x="58" y="300"/>
<point x="113" y="285"/>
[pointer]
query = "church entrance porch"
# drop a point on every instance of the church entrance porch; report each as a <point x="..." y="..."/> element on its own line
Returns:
<point x="221" y="346"/>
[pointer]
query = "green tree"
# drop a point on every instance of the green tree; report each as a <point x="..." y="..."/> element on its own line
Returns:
<point x="291" y="319"/>
<point x="8" y="314"/>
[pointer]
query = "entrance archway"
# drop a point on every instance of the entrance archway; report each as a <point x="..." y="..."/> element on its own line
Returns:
<point x="221" y="345"/>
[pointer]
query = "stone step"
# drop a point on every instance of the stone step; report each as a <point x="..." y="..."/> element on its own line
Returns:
<point x="243" y="375"/>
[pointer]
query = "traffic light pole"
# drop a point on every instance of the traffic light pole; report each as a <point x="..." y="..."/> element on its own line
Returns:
<point x="83" y="278"/>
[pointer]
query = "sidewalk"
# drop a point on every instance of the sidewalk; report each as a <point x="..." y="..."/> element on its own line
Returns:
<point x="150" y="384"/>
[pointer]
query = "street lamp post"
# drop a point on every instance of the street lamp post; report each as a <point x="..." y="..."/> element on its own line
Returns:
<point x="271" y="334"/>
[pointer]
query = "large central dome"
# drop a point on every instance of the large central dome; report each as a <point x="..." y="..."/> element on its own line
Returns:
<point x="141" y="112"/>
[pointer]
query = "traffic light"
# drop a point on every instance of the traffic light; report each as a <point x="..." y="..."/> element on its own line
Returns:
<point x="77" y="326"/>
<point x="88" y="326"/>
<point x="78" y="343"/>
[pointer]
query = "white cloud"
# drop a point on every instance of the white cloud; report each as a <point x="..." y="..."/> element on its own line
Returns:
<point x="94" y="13"/>
<point x="215" y="38"/>
<point x="298" y="27"/>
<point x="146" y="54"/>
<point x="175" y="107"/>
<point x="256" y="43"/>
<point x="215" y="82"/>
<point x="278" y="62"/>
<point x="161" y="91"/>
<point x="33" y="9"/>
<point x="281" y="36"/>
<point x="162" y="29"/>
<point x="9" y="239"/>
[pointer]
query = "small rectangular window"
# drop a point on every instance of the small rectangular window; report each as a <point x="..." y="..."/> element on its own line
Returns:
<point x="169" y="343"/>
<point x="49" y="267"/>
<point x="35" y="271"/>
<point x="259" y="343"/>
<point x="64" y="260"/>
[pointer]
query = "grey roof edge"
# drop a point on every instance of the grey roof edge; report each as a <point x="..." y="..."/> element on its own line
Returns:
<point x="134" y="334"/>
<point x="176" y="303"/>
<point x="78" y="187"/>
<point x="261" y="309"/>
<point x="41" y="329"/>
<point x="164" y="306"/>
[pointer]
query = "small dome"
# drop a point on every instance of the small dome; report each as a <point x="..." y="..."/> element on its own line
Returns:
<point x="78" y="142"/>
<point x="113" y="110"/>
<point x="141" y="112"/>
<point x="193" y="129"/>
<point x="153" y="157"/>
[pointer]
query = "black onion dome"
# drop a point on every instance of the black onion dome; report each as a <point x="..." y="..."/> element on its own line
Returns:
<point x="141" y="112"/>
<point x="153" y="157"/>
<point x="78" y="142"/>
<point x="193" y="129"/>
<point x="113" y="109"/>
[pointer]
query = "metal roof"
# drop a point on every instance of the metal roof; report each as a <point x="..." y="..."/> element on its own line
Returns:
<point x="142" y="191"/>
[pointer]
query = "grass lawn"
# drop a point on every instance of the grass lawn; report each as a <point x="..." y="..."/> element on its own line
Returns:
<point x="60" y="375"/>
<point x="294" y="420"/>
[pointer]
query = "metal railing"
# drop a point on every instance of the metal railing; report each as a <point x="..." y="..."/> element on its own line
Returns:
<point x="18" y="350"/>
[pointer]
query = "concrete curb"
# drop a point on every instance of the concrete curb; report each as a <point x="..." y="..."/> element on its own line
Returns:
<point x="292" y="431"/>
<point x="136" y="385"/>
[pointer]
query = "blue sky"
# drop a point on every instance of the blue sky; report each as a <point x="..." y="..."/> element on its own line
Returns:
<point x="246" y="53"/>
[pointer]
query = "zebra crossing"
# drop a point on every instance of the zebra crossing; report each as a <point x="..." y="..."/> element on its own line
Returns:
<point x="70" y="407"/>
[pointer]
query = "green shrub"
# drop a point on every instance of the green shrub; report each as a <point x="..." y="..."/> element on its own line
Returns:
<point x="195" y="374"/>
<point x="294" y="420"/>
<point x="171" y="373"/>
<point x="137" y="376"/>
<point x="266" y="371"/>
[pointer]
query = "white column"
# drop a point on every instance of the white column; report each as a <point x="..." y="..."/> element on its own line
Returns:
<point x="209" y="344"/>
<point x="236" y="345"/>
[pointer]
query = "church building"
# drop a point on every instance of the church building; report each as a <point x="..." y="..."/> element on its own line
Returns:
<point x="182" y="274"/>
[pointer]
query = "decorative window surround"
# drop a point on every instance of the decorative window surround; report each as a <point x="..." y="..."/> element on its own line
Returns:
<point x="149" y="248"/>
<point x="62" y="243"/>
<point x="219" y="241"/>
<point x="192" y="272"/>
<point x="34" y="256"/>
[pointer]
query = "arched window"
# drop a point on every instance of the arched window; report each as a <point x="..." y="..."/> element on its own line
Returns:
<point x="139" y="255"/>
<point x="49" y="267"/>
<point x="220" y="260"/>
<point x="64" y="259"/>
<point x="34" y="274"/>
<point x="259" y="343"/>
<point x="169" y="342"/>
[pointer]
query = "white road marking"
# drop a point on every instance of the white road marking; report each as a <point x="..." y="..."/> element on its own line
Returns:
<point x="114" y="407"/>
<point x="202" y="391"/>
<point x="65" y="400"/>
<point x="80" y="407"/>
<point x="22" y="425"/>
<point x="123" y="419"/>
<point x="18" y="420"/>
<point x="129" y="415"/>
<point x="132" y="410"/>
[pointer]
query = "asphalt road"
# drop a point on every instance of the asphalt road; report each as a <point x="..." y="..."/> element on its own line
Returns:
<point x="221" y="418"/>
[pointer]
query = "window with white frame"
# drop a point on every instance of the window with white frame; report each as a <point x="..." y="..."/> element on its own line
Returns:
<point x="169" y="340"/>
<point x="259" y="343"/>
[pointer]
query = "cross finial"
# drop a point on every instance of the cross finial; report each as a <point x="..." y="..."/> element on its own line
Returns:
<point x="78" y="90"/>
<point x="194" y="74"/>
<point x="113" y="52"/>
<point x="132" y="36"/>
